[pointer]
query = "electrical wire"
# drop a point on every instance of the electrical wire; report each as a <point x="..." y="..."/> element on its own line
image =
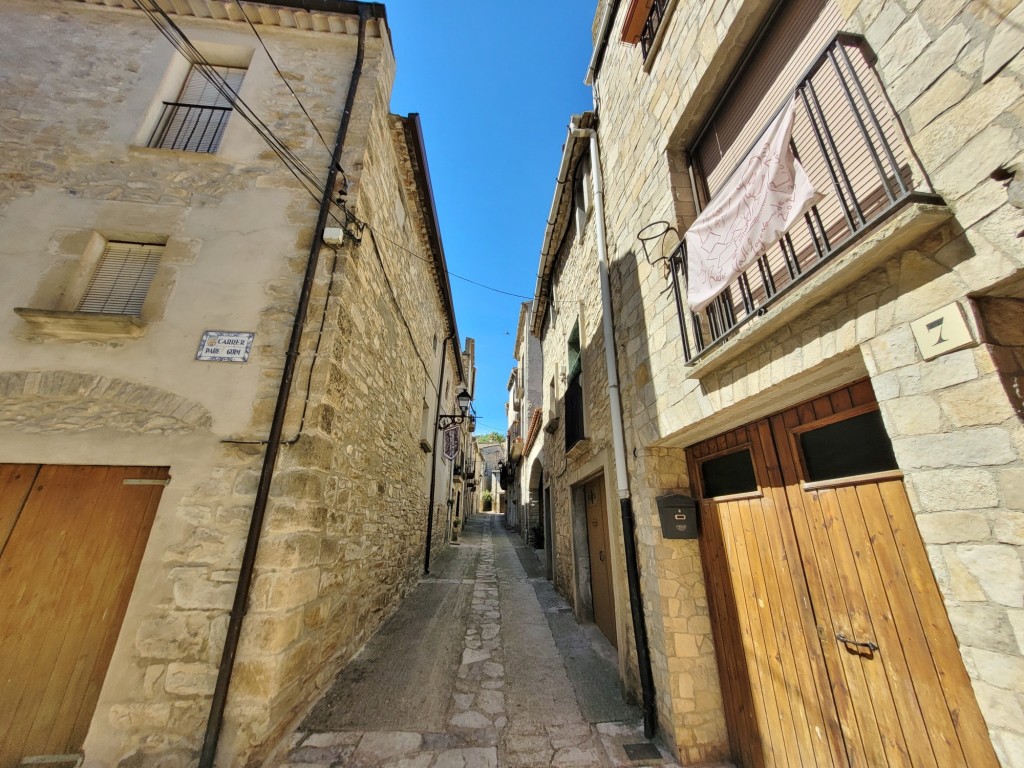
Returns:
<point x="431" y="261"/>
<point x="295" y="165"/>
<point x="284" y="79"/>
<point x="180" y="41"/>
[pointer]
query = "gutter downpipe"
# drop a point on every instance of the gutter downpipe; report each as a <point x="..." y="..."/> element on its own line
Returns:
<point x="433" y="462"/>
<point x="240" y="606"/>
<point x="603" y="34"/>
<point x="643" y="656"/>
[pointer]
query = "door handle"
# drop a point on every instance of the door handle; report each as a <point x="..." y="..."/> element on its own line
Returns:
<point x="600" y="555"/>
<point x="869" y="646"/>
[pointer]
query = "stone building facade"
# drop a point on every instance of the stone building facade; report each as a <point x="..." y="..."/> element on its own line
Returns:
<point x="525" y="389"/>
<point x="850" y="334"/>
<point x="88" y="398"/>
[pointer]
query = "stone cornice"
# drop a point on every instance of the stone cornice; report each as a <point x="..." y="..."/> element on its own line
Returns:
<point x="339" y="17"/>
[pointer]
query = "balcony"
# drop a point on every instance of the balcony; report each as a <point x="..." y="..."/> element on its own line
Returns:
<point x="190" y="127"/>
<point x="853" y="149"/>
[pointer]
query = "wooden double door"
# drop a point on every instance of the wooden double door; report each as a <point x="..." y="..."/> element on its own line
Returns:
<point x="71" y="539"/>
<point x="832" y="638"/>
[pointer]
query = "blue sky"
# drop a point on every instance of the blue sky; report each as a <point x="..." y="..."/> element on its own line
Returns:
<point x="495" y="84"/>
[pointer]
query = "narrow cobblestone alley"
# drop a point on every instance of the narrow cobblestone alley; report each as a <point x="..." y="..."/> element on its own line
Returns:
<point x="482" y="666"/>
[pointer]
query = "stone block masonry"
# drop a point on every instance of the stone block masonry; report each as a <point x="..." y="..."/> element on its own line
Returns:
<point x="954" y="74"/>
<point x="344" y="533"/>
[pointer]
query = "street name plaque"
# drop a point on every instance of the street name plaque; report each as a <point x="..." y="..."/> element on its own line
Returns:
<point x="225" y="346"/>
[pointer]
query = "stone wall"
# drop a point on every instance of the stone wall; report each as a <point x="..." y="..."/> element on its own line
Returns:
<point x="954" y="74"/>
<point x="577" y="299"/>
<point x="344" y="534"/>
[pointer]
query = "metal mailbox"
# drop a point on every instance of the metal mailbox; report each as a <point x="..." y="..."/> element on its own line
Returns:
<point x="680" y="516"/>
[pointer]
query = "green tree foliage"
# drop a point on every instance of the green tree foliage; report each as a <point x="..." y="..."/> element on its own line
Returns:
<point x="491" y="437"/>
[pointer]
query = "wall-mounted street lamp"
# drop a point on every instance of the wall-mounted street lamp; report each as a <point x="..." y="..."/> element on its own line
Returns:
<point x="442" y="423"/>
<point x="445" y="420"/>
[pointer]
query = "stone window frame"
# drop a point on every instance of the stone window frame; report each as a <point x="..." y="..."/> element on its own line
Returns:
<point x="52" y="311"/>
<point x="176" y="74"/>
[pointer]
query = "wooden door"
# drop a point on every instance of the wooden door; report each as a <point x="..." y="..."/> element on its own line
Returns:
<point x="67" y="568"/>
<point x="886" y="638"/>
<point x="832" y="635"/>
<point x="600" y="558"/>
<point x="774" y="681"/>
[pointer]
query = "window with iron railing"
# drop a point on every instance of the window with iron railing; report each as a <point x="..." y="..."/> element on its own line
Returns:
<point x="195" y="122"/>
<point x="849" y="142"/>
<point x="655" y="17"/>
<point x="574" y="391"/>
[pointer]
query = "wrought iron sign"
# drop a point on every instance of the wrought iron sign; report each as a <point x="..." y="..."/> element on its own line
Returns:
<point x="451" y="442"/>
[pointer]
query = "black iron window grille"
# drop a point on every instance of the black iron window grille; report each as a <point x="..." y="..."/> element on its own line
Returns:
<point x="573" y="410"/>
<point x="574" y="390"/>
<point x="195" y="122"/>
<point x="654" y="18"/>
<point x="853" y="149"/>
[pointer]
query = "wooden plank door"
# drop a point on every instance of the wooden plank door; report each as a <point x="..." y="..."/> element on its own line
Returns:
<point x="775" y="685"/>
<point x="66" y="573"/>
<point x="894" y="664"/>
<point x="600" y="558"/>
<point x="15" y="483"/>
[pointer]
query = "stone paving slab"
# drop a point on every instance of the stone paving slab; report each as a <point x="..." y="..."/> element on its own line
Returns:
<point x="503" y="677"/>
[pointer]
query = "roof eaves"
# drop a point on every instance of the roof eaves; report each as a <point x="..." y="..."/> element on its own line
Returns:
<point x="418" y="155"/>
<point x="558" y="218"/>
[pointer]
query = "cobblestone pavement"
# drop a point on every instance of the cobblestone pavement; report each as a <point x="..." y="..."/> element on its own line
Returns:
<point x="527" y="688"/>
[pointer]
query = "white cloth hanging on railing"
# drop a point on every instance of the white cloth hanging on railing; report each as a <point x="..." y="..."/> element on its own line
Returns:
<point x="762" y="199"/>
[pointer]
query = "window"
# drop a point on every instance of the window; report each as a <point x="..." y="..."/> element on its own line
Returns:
<point x="121" y="279"/>
<point x="195" y="122"/>
<point x="854" y="446"/>
<point x="574" y="391"/>
<point x="844" y="134"/>
<point x="581" y="195"/>
<point x="728" y="475"/>
<point x="790" y="44"/>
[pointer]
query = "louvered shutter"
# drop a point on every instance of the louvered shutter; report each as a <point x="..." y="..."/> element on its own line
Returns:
<point x="122" y="278"/>
<point x="199" y="91"/>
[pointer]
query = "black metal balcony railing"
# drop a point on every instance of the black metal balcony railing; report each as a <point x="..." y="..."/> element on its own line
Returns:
<point x="651" y="26"/>
<point x="573" y="411"/>
<point x="190" y="127"/>
<point x="849" y="142"/>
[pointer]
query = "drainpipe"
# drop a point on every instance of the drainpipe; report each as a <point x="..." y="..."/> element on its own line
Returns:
<point x="433" y="462"/>
<point x="619" y="447"/>
<point x="603" y="34"/>
<point x="245" y="574"/>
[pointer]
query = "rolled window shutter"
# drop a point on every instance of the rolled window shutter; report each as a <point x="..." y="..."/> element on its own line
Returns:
<point x="800" y="32"/>
<point x="122" y="279"/>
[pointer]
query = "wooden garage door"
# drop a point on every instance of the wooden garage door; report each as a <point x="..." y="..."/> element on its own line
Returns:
<point x="71" y="539"/>
<point x="833" y="641"/>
